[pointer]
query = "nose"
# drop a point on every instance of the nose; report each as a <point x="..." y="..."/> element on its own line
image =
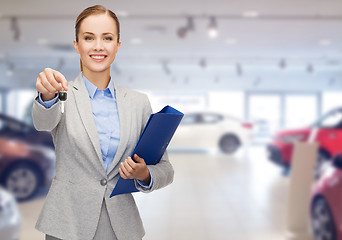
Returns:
<point x="98" y="45"/>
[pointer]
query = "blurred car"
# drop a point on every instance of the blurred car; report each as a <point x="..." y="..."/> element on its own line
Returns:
<point x="329" y="137"/>
<point x="10" y="217"/>
<point x="16" y="129"/>
<point x="211" y="130"/>
<point x="326" y="203"/>
<point x="25" y="167"/>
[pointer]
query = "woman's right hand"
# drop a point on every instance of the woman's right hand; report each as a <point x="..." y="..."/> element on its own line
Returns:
<point x="50" y="82"/>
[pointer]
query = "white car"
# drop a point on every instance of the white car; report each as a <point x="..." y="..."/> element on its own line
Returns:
<point x="211" y="130"/>
<point x="10" y="217"/>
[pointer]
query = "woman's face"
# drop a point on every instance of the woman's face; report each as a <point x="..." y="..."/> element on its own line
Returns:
<point x="97" y="42"/>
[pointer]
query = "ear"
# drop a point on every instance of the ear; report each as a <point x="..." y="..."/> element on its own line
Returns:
<point x="76" y="46"/>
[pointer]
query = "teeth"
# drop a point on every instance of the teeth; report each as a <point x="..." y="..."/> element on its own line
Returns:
<point x="98" y="57"/>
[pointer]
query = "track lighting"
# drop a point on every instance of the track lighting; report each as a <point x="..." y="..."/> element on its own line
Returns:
<point x="310" y="69"/>
<point x="10" y="69"/>
<point x="166" y="67"/>
<point x="15" y="29"/>
<point x="203" y="63"/>
<point x="282" y="64"/>
<point x="190" y="26"/>
<point x="212" y="29"/>
<point x="238" y="69"/>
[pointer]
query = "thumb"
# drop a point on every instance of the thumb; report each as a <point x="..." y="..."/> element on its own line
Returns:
<point x="138" y="159"/>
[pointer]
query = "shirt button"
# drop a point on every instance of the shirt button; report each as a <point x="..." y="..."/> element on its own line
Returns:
<point x="103" y="182"/>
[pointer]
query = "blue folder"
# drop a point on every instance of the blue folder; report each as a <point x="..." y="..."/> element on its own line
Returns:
<point x="152" y="143"/>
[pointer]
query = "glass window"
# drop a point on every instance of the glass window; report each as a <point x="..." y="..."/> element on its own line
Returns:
<point x="211" y="118"/>
<point x="331" y="120"/>
<point x="300" y="110"/>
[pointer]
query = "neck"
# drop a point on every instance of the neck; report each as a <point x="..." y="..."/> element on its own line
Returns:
<point x="99" y="79"/>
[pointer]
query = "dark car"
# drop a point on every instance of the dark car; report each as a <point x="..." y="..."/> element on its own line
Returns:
<point x="25" y="167"/>
<point x="326" y="207"/>
<point x="15" y="129"/>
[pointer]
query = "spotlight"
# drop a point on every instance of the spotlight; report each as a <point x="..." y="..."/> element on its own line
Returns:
<point x="190" y="24"/>
<point x="282" y="64"/>
<point x="238" y="69"/>
<point x="310" y="69"/>
<point x="10" y="69"/>
<point x="166" y="67"/>
<point x="15" y="28"/>
<point x="203" y="63"/>
<point x="181" y="32"/>
<point x="212" y="30"/>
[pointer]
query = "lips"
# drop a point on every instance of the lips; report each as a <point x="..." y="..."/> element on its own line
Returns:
<point x="98" y="57"/>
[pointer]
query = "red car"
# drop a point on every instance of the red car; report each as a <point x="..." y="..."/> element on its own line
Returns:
<point x="326" y="203"/>
<point x="329" y="137"/>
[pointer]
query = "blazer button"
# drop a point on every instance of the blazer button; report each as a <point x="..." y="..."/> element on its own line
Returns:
<point x="103" y="182"/>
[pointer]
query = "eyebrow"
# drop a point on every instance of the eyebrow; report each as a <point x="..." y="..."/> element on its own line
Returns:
<point x="107" y="33"/>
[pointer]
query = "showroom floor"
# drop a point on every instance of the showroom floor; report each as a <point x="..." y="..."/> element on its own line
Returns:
<point x="213" y="196"/>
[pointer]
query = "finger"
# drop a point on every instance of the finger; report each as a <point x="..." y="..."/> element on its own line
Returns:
<point x="53" y="81"/>
<point x="128" y="166"/>
<point x="125" y="171"/>
<point x="46" y="83"/>
<point x="40" y="88"/>
<point x="131" y="163"/>
<point x="138" y="159"/>
<point x="122" y="174"/>
<point x="60" y="78"/>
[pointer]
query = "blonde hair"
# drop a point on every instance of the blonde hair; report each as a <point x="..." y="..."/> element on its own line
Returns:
<point x="95" y="10"/>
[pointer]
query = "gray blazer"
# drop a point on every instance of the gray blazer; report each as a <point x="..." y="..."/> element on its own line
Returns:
<point x="72" y="207"/>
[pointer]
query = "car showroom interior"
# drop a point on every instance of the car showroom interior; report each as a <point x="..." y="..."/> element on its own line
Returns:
<point x="257" y="154"/>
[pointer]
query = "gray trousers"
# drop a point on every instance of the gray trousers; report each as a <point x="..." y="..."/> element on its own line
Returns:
<point x="104" y="229"/>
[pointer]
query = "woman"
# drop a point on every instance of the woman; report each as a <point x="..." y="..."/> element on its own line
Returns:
<point x="94" y="137"/>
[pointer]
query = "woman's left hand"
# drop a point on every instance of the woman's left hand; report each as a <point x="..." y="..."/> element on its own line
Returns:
<point x="136" y="169"/>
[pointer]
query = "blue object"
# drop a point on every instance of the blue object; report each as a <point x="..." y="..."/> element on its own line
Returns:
<point x="152" y="143"/>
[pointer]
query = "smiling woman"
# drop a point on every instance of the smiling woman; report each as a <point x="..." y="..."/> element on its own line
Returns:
<point x="94" y="137"/>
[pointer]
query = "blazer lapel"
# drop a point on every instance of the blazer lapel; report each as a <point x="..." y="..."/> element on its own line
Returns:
<point x="85" y="110"/>
<point x="125" y="122"/>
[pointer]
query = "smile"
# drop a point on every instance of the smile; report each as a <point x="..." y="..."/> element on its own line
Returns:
<point x="98" y="58"/>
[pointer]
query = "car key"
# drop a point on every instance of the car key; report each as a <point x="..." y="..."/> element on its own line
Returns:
<point x="62" y="96"/>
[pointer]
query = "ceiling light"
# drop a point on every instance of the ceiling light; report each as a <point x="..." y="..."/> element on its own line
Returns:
<point x="212" y="29"/>
<point x="135" y="41"/>
<point x="121" y="13"/>
<point x="156" y="29"/>
<point x="42" y="41"/>
<point x="231" y="41"/>
<point x="250" y="14"/>
<point x="324" y="42"/>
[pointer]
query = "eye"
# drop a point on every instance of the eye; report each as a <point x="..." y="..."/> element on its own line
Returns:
<point x="88" y="38"/>
<point x="109" y="38"/>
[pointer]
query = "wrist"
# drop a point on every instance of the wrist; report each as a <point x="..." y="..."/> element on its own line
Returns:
<point x="146" y="178"/>
<point x="48" y="96"/>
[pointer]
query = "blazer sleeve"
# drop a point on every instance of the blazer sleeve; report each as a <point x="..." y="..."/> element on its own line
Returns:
<point x="45" y="119"/>
<point x="162" y="172"/>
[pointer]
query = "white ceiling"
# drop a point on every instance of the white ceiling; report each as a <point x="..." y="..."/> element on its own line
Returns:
<point x="291" y="30"/>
